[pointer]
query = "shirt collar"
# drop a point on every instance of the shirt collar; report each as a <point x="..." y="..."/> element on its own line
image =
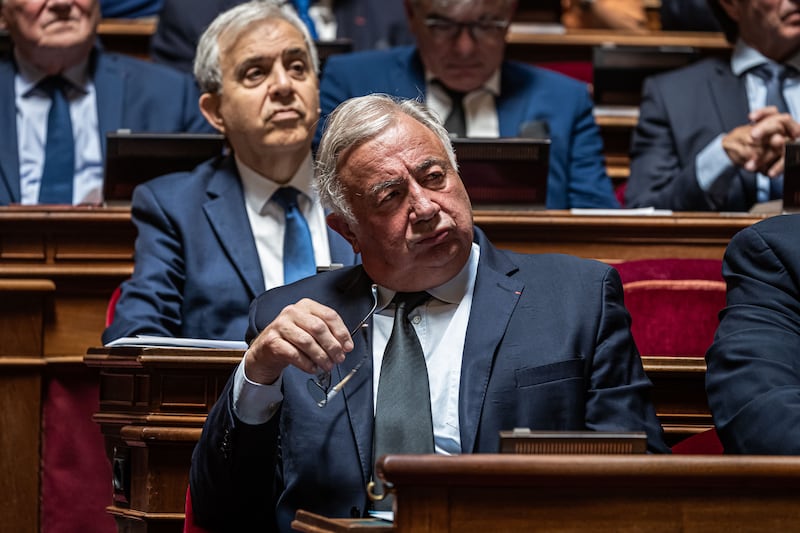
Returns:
<point x="745" y="57"/>
<point x="258" y="190"/>
<point x="452" y="291"/>
<point x="492" y="85"/>
<point x="29" y="76"/>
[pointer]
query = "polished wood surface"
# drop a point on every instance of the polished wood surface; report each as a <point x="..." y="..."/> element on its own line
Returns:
<point x="616" y="237"/>
<point x="71" y="259"/>
<point x="23" y="305"/>
<point x="576" y="45"/>
<point x="499" y="493"/>
<point x="153" y="403"/>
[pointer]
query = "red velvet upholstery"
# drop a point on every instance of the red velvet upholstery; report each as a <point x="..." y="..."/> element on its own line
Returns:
<point x="580" y="70"/>
<point x="674" y="304"/>
<point x="76" y="474"/>
<point x="188" y="524"/>
<point x="705" y="443"/>
<point x="112" y="306"/>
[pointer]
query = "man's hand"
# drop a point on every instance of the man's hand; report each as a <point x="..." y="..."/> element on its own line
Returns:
<point x="307" y="335"/>
<point x="759" y="146"/>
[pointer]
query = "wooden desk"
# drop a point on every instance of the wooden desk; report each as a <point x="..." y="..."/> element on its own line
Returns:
<point x="75" y="257"/>
<point x="576" y="45"/>
<point x="614" y="238"/>
<point x="154" y="401"/>
<point x="505" y="493"/>
<point x="23" y="306"/>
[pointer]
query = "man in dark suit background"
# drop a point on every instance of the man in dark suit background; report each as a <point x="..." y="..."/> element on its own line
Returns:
<point x="211" y="240"/>
<point x="508" y="340"/>
<point x="366" y="23"/>
<point x="753" y="382"/>
<point x="710" y="136"/>
<point x="459" y="56"/>
<point x="104" y="92"/>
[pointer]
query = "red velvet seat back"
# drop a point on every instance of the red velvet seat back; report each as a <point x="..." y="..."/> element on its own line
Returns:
<point x="674" y="304"/>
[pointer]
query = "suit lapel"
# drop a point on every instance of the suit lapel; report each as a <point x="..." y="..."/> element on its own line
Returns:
<point x="109" y="85"/>
<point x="355" y="303"/>
<point x="495" y="296"/>
<point x="9" y="151"/>
<point x="227" y="216"/>
<point x="729" y="95"/>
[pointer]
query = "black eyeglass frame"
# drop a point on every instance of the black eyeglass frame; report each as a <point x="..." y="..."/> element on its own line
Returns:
<point x="443" y="28"/>
<point x="321" y="383"/>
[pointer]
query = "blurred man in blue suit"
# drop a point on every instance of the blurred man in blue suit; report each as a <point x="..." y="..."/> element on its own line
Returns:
<point x="459" y="58"/>
<point x="212" y="239"/>
<point x="54" y="42"/>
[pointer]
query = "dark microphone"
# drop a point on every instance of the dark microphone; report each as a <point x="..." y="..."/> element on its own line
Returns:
<point x="535" y="129"/>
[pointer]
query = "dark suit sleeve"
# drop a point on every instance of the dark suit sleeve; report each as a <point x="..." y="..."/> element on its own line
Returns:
<point x="658" y="177"/>
<point x="232" y="478"/>
<point x="618" y="395"/>
<point x="589" y="185"/>
<point x="151" y="300"/>
<point x="753" y="378"/>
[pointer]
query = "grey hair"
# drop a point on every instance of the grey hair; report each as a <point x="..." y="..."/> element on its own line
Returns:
<point x="207" y="69"/>
<point x="356" y="121"/>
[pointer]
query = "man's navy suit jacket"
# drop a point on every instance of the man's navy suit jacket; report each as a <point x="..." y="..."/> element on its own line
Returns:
<point x="548" y="347"/>
<point x="680" y="113"/>
<point x="131" y="94"/>
<point x="753" y="377"/>
<point x="196" y="265"/>
<point x="577" y="175"/>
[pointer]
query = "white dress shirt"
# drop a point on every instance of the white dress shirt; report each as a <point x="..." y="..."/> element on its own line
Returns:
<point x="480" y="111"/>
<point x="267" y="218"/>
<point x="440" y="324"/>
<point x="712" y="162"/>
<point x="32" y="108"/>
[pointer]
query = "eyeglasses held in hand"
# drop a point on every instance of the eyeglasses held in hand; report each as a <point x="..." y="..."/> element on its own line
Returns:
<point x="480" y="30"/>
<point x="320" y="386"/>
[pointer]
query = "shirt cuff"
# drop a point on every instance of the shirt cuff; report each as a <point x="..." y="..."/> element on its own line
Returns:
<point x="711" y="163"/>
<point x="254" y="403"/>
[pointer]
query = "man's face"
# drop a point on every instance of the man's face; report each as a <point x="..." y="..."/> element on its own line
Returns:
<point x="269" y="102"/>
<point x="37" y="26"/>
<point x="413" y="219"/>
<point x="770" y="26"/>
<point x="461" y="57"/>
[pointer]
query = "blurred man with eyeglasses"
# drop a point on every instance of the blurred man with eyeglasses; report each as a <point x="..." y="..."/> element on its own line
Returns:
<point x="459" y="57"/>
<point x="463" y="340"/>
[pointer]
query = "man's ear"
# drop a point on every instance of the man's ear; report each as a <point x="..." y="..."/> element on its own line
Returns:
<point x="209" y="107"/>
<point x="729" y="6"/>
<point x="338" y="224"/>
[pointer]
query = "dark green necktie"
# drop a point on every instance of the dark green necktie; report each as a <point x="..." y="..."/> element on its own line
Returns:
<point x="403" y="422"/>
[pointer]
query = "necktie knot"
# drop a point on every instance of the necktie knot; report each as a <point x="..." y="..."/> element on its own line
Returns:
<point x="298" y="248"/>
<point x="773" y="72"/>
<point x="286" y="197"/>
<point x="408" y="301"/>
<point x="53" y="85"/>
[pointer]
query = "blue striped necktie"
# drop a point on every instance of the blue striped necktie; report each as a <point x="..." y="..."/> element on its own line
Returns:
<point x="298" y="248"/>
<point x="59" y="152"/>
